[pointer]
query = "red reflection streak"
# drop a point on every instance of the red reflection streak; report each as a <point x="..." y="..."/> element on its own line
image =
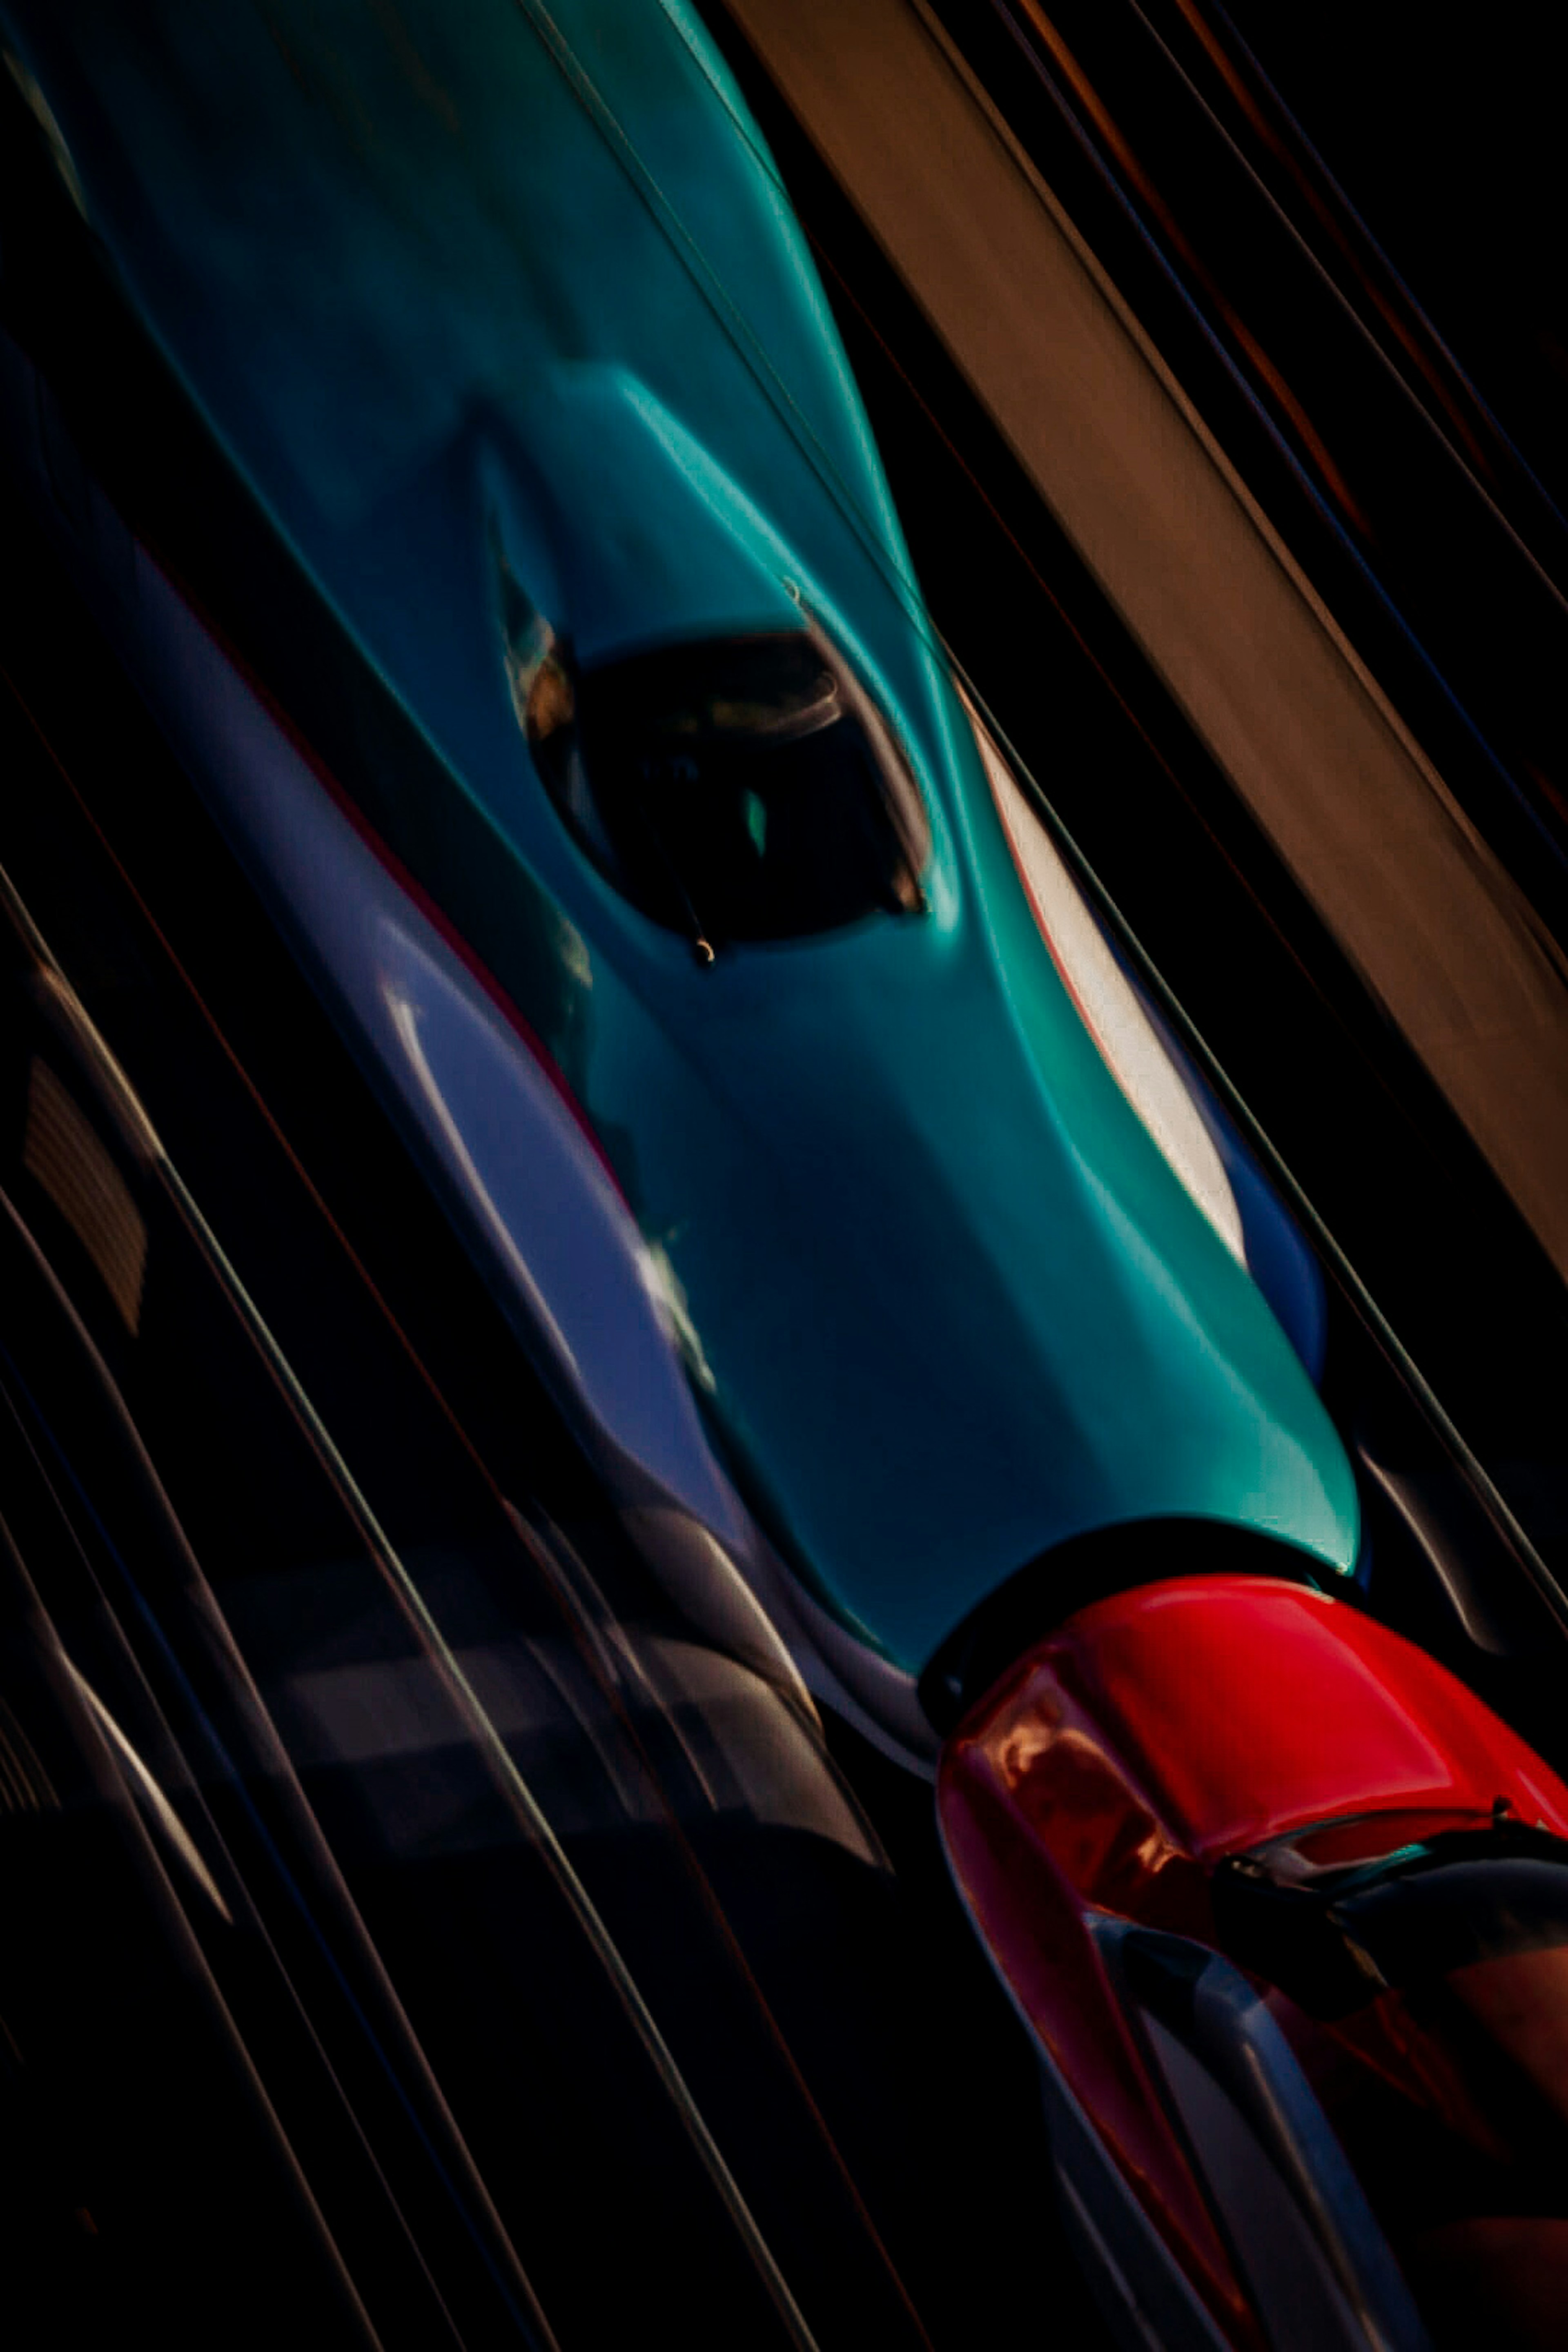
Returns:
<point x="575" y="1633"/>
<point x="1385" y="2040"/>
<point x="1547" y="787"/>
<point x="1393" y="311"/>
<point x="1094" y="107"/>
<point x="1521" y="2000"/>
<point x="1013" y="1849"/>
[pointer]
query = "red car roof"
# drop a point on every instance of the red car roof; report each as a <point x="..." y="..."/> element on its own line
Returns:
<point x="1245" y="1708"/>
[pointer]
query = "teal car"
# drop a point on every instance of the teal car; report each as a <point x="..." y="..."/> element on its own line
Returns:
<point x="447" y="397"/>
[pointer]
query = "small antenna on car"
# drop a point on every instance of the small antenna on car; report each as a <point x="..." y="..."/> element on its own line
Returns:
<point x="703" y="946"/>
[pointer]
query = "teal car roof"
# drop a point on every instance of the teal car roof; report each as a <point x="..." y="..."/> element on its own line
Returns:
<point x="504" y="290"/>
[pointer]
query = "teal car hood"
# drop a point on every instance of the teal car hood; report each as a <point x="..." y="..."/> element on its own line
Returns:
<point x="510" y="296"/>
<point x="966" y="1313"/>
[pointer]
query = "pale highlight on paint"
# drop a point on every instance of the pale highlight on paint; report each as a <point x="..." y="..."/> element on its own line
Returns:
<point x="1128" y="1040"/>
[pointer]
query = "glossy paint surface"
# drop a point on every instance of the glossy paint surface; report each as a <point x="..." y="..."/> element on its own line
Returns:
<point x="1032" y="1920"/>
<point x="1243" y="1709"/>
<point x="524" y="305"/>
<point x="1156" y="1733"/>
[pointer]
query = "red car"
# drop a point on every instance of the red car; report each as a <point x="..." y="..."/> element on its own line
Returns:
<point x="1285" y="1908"/>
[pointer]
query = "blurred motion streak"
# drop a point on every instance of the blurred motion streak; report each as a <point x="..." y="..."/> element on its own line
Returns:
<point x="1099" y="115"/>
<point x="1441" y="934"/>
<point x="62" y="1151"/>
<point x="752" y="1747"/>
<point x="1387" y="294"/>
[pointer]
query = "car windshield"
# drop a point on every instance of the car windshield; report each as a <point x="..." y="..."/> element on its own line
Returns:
<point x="741" y="790"/>
<point x="1426" y="1995"/>
<point x="1333" y="1932"/>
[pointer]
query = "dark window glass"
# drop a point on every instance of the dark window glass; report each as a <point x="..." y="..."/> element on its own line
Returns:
<point x="743" y="790"/>
<point x="1425" y="1967"/>
<point x="1333" y="1933"/>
